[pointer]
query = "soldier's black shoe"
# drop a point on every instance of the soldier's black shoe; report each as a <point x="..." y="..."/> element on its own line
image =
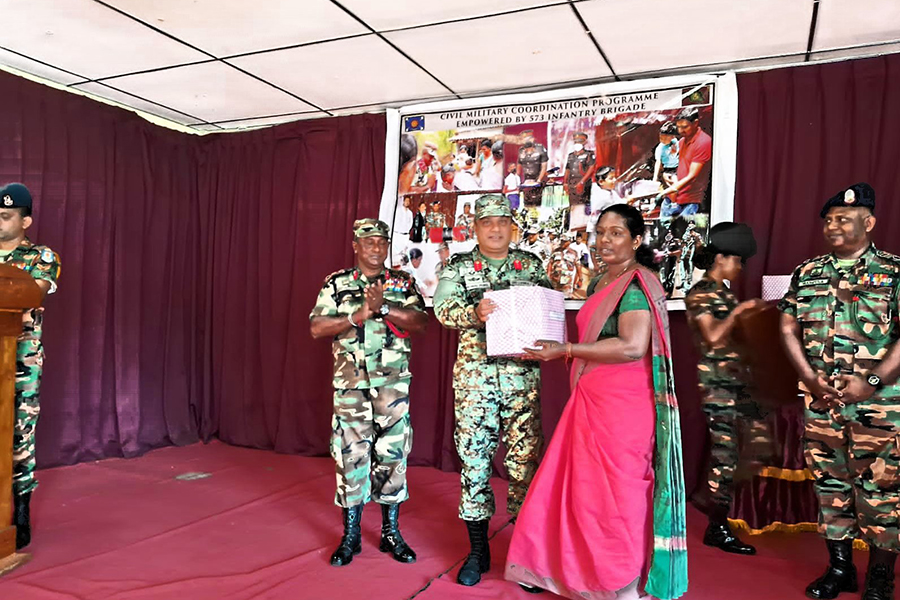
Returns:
<point x="880" y="576"/>
<point x="478" y="561"/>
<point x="531" y="589"/>
<point x="350" y="541"/>
<point x="840" y="575"/>
<point x="22" y="519"/>
<point x="719" y="535"/>
<point x="391" y="540"/>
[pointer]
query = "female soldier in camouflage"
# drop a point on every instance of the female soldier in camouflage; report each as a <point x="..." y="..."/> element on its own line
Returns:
<point x="712" y="310"/>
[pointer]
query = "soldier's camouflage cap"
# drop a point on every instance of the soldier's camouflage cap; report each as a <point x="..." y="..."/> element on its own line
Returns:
<point x="15" y="195"/>
<point x="492" y="205"/>
<point x="860" y="195"/>
<point x="363" y="228"/>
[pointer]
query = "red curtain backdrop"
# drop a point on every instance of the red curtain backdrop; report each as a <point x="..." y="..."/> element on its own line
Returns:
<point x="189" y="266"/>
<point x="190" y="263"/>
<point x="804" y="135"/>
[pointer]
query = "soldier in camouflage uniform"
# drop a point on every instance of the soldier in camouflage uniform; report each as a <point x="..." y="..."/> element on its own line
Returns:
<point x="562" y="268"/>
<point x="436" y="219"/>
<point x="369" y="311"/>
<point x="840" y="326"/>
<point x="42" y="263"/>
<point x="495" y="397"/>
<point x="712" y="310"/>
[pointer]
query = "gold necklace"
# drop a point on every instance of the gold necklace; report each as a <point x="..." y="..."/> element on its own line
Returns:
<point x="622" y="272"/>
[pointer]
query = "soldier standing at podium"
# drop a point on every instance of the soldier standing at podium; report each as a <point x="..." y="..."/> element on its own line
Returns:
<point x="840" y="326"/>
<point x="369" y="311"/>
<point x="42" y="263"/>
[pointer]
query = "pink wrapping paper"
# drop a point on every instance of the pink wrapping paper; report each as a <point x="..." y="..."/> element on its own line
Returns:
<point x="524" y="315"/>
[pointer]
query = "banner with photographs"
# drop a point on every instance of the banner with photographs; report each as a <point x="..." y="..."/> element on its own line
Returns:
<point x="560" y="158"/>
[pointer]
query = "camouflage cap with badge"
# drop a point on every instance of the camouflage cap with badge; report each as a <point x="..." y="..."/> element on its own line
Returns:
<point x="15" y="195"/>
<point x="492" y="205"/>
<point x="364" y="228"/>
<point x="860" y="195"/>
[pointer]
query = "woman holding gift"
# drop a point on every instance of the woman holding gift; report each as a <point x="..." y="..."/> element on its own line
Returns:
<point x="605" y="514"/>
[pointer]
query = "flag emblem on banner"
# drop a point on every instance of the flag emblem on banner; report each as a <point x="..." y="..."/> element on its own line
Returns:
<point x="416" y="123"/>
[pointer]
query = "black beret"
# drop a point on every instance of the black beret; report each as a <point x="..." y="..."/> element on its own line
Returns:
<point x="15" y="195"/>
<point x="860" y="195"/>
<point x="733" y="238"/>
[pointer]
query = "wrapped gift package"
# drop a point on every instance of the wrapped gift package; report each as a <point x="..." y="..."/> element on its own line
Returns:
<point x="524" y="314"/>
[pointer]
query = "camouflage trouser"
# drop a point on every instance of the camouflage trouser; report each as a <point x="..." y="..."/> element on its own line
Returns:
<point x="29" y="363"/>
<point x="736" y="431"/>
<point x="481" y="416"/>
<point x="853" y="452"/>
<point x="371" y="439"/>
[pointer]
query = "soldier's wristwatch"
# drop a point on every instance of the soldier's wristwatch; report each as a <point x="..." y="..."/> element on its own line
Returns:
<point x="384" y="309"/>
<point x="874" y="380"/>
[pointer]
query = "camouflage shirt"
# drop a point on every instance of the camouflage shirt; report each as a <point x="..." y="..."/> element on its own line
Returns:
<point x="848" y="317"/>
<point x="371" y="355"/>
<point x="719" y="367"/>
<point x="461" y="287"/>
<point x="436" y="219"/>
<point x="41" y="263"/>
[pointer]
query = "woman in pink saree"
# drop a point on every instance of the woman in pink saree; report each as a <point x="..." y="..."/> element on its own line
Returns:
<point x="604" y="517"/>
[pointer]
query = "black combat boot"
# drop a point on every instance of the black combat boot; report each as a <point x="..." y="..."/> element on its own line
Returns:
<point x="391" y="540"/>
<point x="350" y="541"/>
<point x="719" y="534"/>
<point x="840" y="575"/>
<point x="880" y="576"/>
<point x="22" y="518"/>
<point x="479" y="559"/>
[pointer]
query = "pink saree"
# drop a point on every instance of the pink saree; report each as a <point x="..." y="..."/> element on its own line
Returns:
<point x="586" y="528"/>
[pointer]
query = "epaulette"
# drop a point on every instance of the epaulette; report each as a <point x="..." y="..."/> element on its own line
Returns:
<point x="336" y="274"/>
<point x="887" y="256"/>
<point x="704" y="285"/>
<point x="527" y="254"/>
<point x="460" y="258"/>
<point x="812" y="262"/>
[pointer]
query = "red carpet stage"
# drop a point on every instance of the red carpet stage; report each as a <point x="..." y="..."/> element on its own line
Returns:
<point x="219" y="522"/>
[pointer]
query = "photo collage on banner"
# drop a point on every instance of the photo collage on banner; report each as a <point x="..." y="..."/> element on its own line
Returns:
<point x="559" y="164"/>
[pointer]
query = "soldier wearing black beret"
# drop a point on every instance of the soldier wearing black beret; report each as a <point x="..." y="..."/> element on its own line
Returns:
<point x="840" y="329"/>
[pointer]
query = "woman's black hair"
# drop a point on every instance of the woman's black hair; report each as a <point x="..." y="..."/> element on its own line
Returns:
<point x="634" y="221"/>
<point x="705" y="257"/>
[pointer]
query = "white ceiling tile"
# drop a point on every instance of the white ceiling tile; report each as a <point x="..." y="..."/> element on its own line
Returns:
<point x="247" y="123"/>
<point x="356" y="71"/>
<point x="512" y="57"/>
<point x="858" y="52"/>
<point x="409" y="13"/>
<point x="844" y="23"/>
<point x="358" y="110"/>
<point x="211" y="91"/>
<point x="88" y="38"/>
<point x="226" y="28"/>
<point x="206" y="127"/>
<point x="702" y="32"/>
<point x="98" y="89"/>
<point x="11" y="59"/>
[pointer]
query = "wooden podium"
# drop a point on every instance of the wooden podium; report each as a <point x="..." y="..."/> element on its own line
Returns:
<point x="18" y="292"/>
<point x="758" y="335"/>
